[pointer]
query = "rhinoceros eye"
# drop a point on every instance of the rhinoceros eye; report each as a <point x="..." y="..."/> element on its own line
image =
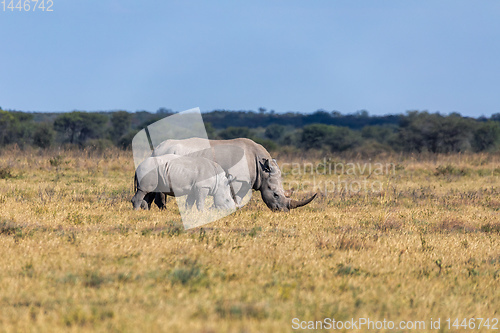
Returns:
<point x="276" y="195"/>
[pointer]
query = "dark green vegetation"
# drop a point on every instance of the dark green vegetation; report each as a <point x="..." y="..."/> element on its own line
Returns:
<point x="326" y="131"/>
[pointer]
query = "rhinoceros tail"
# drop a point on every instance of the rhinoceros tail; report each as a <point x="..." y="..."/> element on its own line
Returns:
<point x="135" y="182"/>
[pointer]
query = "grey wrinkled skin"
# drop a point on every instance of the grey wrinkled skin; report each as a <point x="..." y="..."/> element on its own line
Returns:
<point x="176" y="175"/>
<point x="260" y="173"/>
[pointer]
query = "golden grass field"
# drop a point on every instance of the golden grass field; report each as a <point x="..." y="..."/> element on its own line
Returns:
<point x="75" y="256"/>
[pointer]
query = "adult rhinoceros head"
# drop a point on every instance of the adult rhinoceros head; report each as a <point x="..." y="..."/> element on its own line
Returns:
<point x="272" y="189"/>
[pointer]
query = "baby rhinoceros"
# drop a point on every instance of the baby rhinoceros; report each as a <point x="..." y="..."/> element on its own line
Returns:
<point x="176" y="175"/>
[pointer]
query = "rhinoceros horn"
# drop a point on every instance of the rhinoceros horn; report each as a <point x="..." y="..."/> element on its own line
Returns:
<point x="296" y="204"/>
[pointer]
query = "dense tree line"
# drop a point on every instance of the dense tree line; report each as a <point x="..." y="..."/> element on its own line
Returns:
<point x="413" y="131"/>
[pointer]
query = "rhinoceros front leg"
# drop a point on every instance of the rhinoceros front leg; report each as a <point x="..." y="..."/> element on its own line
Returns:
<point x="138" y="200"/>
<point x="148" y="198"/>
<point x="201" y="195"/>
<point x="191" y="198"/>
<point x="240" y="190"/>
<point x="144" y="205"/>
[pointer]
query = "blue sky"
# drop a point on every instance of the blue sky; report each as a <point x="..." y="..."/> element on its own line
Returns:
<point x="381" y="56"/>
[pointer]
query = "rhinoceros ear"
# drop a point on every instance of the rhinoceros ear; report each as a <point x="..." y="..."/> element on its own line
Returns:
<point x="266" y="166"/>
<point x="230" y="178"/>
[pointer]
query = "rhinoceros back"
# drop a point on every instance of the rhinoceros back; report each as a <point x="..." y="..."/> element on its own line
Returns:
<point x="186" y="173"/>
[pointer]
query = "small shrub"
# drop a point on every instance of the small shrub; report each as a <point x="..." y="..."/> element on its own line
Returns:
<point x="239" y="310"/>
<point x="84" y="317"/>
<point x="350" y="243"/>
<point x="450" y="225"/>
<point x="28" y="270"/>
<point x="56" y="161"/>
<point x="174" y="228"/>
<point x="450" y="170"/>
<point x="9" y="228"/>
<point x="425" y="246"/>
<point x="184" y="274"/>
<point x="98" y="145"/>
<point x="93" y="279"/>
<point x="490" y="227"/>
<point x="388" y="225"/>
<point x="347" y="270"/>
<point x="69" y="278"/>
<point x="254" y="231"/>
<point x="473" y="271"/>
<point x="146" y="231"/>
<point x="323" y="243"/>
<point x="5" y="173"/>
<point x="124" y="277"/>
<point x="75" y="218"/>
<point x="72" y="238"/>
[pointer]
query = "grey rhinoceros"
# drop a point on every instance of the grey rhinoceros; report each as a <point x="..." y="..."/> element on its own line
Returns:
<point x="258" y="171"/>
<point x="177" y="175"/>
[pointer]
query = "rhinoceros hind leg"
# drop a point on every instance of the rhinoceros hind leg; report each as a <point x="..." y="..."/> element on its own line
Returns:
<point x="160" y="200"/>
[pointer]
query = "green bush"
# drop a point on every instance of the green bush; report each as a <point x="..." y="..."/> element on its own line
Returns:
<point x="77" y="127"/>
<point x="43" y="136"/>
<point x="235" y="132"/>
<point x="335" y="138"/>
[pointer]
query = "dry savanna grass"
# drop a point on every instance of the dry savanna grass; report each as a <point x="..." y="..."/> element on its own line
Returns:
<point x="75" y="257"/>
